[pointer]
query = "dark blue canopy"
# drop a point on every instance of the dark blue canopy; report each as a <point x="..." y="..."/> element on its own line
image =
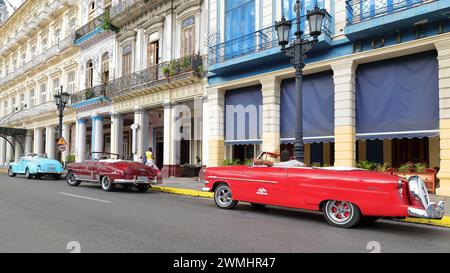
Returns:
<point x="243" y="124"/>
<point x="318" y="108"/>
<point x="398" y="98"/>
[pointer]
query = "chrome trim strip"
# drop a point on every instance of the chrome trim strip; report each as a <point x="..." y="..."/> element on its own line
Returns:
<point x="244" y="179"/>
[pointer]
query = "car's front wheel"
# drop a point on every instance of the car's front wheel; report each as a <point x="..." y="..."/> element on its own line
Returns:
<point x="341" y="214"/>
<point x="224" y="197"/>
<point x="71" y="180"/>
<point x="10" y="172"/>
<point x="28" y="175"/>
<point x="106" y="184"/>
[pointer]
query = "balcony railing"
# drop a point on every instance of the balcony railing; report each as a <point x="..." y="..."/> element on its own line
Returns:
<point x="362" y="10"/>
<point x="153" y="75"/>
<point x="258" y="41"/>
<point x="88" y="93"/>
<point x="125" y="6"/>
<point x="36" y="61"/>
<point x="34" y="111"/>
<point x="91" y="25"/>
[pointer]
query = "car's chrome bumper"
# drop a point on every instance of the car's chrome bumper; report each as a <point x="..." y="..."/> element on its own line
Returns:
<point x="419" y="193"/>
<point x="206" y="189"/>
<point x="135" y="181"/>
<point x="433" y="211"/>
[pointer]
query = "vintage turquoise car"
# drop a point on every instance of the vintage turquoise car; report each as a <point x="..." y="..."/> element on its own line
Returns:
<point x="33" y="165"/>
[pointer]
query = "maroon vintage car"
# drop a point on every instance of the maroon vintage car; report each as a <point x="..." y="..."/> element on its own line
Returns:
<point x="106" y="169"/>
<point x="345" y="195"/>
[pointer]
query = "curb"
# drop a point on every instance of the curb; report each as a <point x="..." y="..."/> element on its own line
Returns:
<point x="444" y="222"/>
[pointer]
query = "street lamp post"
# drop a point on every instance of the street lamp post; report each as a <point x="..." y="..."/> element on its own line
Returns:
<point x="296" y="52"/>
<point x="61" y="100"/>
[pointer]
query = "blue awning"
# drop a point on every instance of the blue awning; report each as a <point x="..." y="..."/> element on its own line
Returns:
<point x="318" y="108"/>
<point x="243" y="112"/>
<point x="398" y="98"/>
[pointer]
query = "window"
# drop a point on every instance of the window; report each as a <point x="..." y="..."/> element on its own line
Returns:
<point x="44" y="44"/>
<point x="32" y="98"/>
<point x="56" y="86"/>
<point x="89" y="74"/>
<point x="152" y="53"/>
<point x="43" y="93"/>
<point x="73" y="25"/>
<point x="126" y="60"/>
<point x="91" y="10"/>
<point x="5" y="107"/>
<point x="187" y="36"/>
<point x="239" y="21"/>
<point x="71" y="82"/>
<point x="24" y="57"/>
<point x="14" y="64"/>
<point x="33" y="50"/>
<point x="13" y="104"/>
<point x="22" y="101"/>
<point x="57" y="36"/>
<point x="105" y="67"/>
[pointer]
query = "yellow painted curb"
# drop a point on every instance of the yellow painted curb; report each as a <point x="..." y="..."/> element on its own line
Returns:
<point x="188" y="192"/>
<point x="444" y="222"/>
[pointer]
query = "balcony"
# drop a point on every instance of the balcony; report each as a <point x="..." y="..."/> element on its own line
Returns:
<point x="381" y="16"/>
<point x="31" y="112"/>
<point x="98" y="25"/>
<point x="261" y="45"/>
<point x="128" y="10"/>
<point x="39" y="59"/>
<point x="185" y="70"/>
<point x="89" y="96"/>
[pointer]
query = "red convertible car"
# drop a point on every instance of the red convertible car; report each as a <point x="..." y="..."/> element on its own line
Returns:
<point x="344" y="195"/>
<point x="109" y="171"/>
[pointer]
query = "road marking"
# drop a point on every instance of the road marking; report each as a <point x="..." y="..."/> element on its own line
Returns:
<point x="84" y="197"/>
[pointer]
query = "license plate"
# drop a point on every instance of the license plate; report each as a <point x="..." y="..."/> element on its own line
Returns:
<point x="143" y="178"/>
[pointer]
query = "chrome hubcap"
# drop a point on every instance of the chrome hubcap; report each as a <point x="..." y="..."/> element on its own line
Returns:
<point x="340" y="212"/>
<point x="224" y="196"/>
<point x="105" y="182"/>
<point x="71" y="178"/>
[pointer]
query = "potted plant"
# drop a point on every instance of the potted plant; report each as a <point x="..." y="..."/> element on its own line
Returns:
<point x="188" y="170"/>
<point x="89" y="93"/>
<point x="418" y="169"/>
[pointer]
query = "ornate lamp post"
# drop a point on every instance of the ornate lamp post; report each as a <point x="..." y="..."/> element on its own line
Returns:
<point x="296" y="52"/>
<point x="61" y="100"/>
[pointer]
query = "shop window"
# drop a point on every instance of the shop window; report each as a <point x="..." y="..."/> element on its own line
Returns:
<point x="243" y="152"/>
<point x="316" y="154"/>
<point x="374" y="151"/>
<point x="410" y="150"/>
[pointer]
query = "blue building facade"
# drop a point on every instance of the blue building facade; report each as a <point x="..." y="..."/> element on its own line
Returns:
<point x="376" y="85"/>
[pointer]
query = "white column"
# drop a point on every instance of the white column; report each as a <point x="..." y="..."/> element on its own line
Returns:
<point x="66" y="136"/>
<point x="141" y="120"/>
<point x="117" y="134"/>
<point x="29" y="142"/>
<point x="38" y="141"/>
<point x="139" y="50"/>
<point x="168" y="135"/>
<point x="81" y="140"/>
<point x="215" y="120"/>
<point x="97" y="134"/>
<point x="205" y="132"/>
<point x="50" y="141"/>
<point x="17" y="151"/>
<point x="271" y="114"/>
<point x="2" y="151"/>
<point x="9" y="151"/>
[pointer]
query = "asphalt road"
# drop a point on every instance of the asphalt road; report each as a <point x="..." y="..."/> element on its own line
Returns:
<point x="45" y="215"/>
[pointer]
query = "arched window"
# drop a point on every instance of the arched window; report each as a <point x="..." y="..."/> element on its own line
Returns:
<point x="105" y="67"/>
<point x="126" y="60"/>
<point x="92" y="10"/>
<point x="89" y="74"/>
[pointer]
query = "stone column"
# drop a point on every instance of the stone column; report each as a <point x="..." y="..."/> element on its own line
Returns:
<point x="29" y="142"/>
<point x="215" y="120"/>
<point x="344" y="113"/>
<point x="271" y="114"/>
<point x="17" y="151"/>
<point x="170" y="168"/>
<point x="66" y="136"/>
<point x="141" y="119"/>
<point x="117" y="134"/>
<point x="50" y="141"/>
<point x="443" y="49"/>
<point x="81" y="140"/>
<point x="97" y="134"/>
<point x="9" y="151"/>
<point x="38" y="141"/>
<point x="2" y="151"/>
<point x="205" y="133"/>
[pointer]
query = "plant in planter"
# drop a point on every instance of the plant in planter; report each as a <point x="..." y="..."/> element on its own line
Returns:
<point x="89" y="93"/>
<point x="367" y="165"/>
<point x="382" y="167"/>
<point x="188" y="170"/>
<point x="229" y="162"/>
<point x="419" y="169"/>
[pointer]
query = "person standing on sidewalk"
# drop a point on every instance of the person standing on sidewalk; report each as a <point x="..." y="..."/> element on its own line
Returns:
<point x="148" y="159"/>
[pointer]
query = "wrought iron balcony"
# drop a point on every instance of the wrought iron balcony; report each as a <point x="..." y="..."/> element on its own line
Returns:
<point x="100" y="22"/>
<point x="258" y="41"/>
<point x="362" y="10"/>
<point x="188" y="66"/>
<point x="127" y="10"/>
<point x="88" y="93"/>
<point x="34" y="111"/>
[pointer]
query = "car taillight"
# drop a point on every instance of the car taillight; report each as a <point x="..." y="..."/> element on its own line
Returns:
<point x="400" y="187"/>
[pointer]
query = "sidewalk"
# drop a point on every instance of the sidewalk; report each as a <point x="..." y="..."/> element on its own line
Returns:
<point x="192" y="187"/>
